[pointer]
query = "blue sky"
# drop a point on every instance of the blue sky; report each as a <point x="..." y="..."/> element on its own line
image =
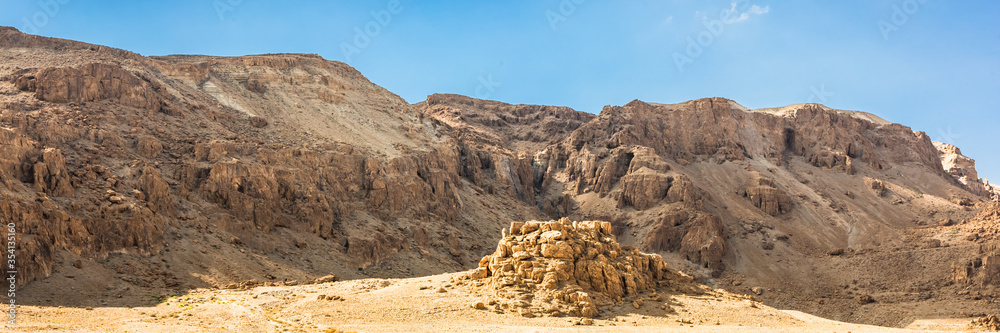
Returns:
<point x="929" y="64"/>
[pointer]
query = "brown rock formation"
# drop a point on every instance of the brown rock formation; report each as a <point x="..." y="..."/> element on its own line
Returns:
<point x="156" y="192"/>
<point x="148" y="146"/>
<point x="643" y="191"/>
<point x="963" y="169"/>
<point x="669" y="231"/>
<point x="705" y="243"/>
<point x="51" y="175"/>
<point x="983" y="270"/>
<point x="877" y="186"/>
<point x="497" y="125"/>
<point x="293" y="161"/>
<point x="989" y="323"/>
<point x="211" y="163"/>
<point x="89" y="83"/>
<point x="569" y="268"/>
<point x="763" y="194"/>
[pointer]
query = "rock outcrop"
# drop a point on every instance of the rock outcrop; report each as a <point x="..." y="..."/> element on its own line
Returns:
<point x="564" y="267"/>
<point x="984" y="270"/>
<point x="705" y="243"/>
<point x="963" y="169"/>
<point x="51" y="175"/>
<point x="90" y="83"/>
<point x="876" y="186"/>
<point x="763" y="194"/>
<point x="668" y="231"/>
<point x="643" y="191"/>
<point x="989" y="323"/>
<point x="484" y="124"/>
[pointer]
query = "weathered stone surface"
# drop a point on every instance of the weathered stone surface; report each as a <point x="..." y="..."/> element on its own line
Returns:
<point x="832" y="160"/>
<point x="705" y="243"/>
<point x="258" y="122"/>
<point x="148" y="146"/>
<point x="668" y="232"/>
<point x="991" y="269"/>
<point x="763" y="194"/>
<point x="557" y="250"/>
<point x="699" y="237"/>
<point x="963" y="169"/>
<point x="326" y="279"/>
<point x="989" y="322"/>
<point x="95" y="82"/>
<point x="580" y="267"/>
<point x="15" y="149"/>
<point x="644" y="157"/>
<point x="646" y="185"/>
<point x="51" y="175"/>
<point x="683" y="190"/>
<point x="157" y="192"/>
<point x="491" y="123"/>
<point x="643" y="191"/>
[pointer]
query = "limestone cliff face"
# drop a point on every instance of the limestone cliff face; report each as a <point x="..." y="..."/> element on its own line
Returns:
<point x="963" y="169"/>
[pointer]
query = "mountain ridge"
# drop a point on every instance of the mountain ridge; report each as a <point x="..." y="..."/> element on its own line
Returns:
<point x="192" y="171"/>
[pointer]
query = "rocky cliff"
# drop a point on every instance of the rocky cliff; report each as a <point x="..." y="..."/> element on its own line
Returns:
<point x="113" y="156"/>
<point x="766" y="199"/>
<point x="196" y="171"/>
<point x="963" y="169"/>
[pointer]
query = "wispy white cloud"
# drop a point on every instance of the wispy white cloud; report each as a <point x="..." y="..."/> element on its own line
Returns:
<point x="738" y="17"/>
<point x="668" y="20"/>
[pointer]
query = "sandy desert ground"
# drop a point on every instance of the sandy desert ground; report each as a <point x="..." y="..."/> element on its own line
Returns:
<point x="417" y="305"/>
